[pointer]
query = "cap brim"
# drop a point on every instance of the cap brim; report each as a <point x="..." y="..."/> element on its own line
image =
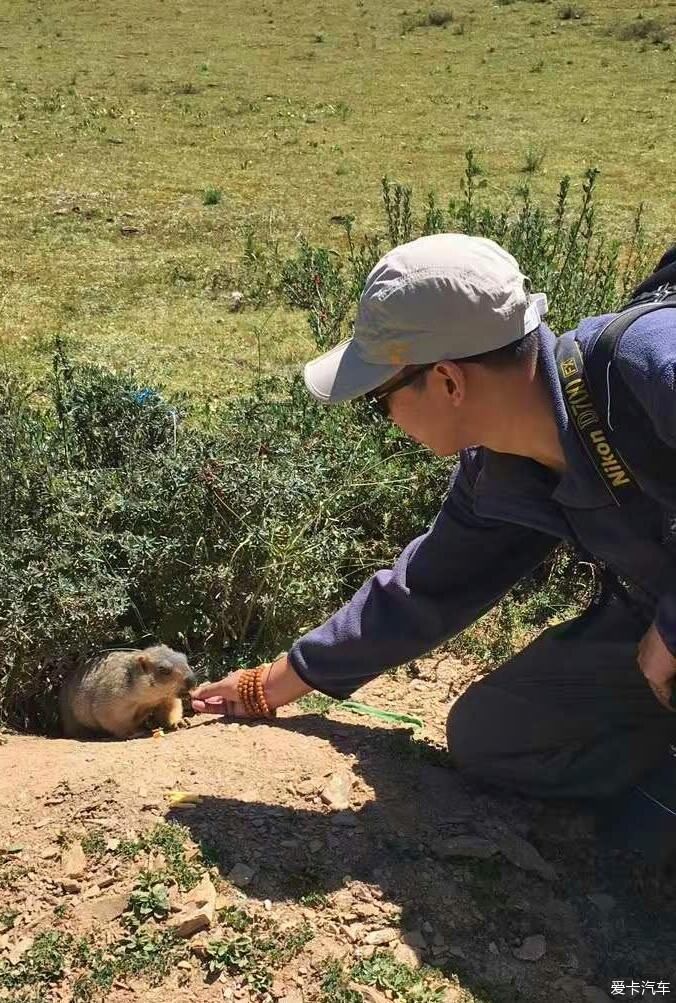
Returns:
<point x="342" y="375"/>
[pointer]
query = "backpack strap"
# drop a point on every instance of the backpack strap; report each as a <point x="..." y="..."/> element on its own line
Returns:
<point x="628" y="425"/>
<point x="616" y="432"/>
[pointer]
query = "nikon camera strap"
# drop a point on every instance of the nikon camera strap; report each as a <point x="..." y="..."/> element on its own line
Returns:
<point x="621" y="440"/>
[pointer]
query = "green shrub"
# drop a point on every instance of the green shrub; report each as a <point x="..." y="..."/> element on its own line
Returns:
<point x="570" y="12"/>
<point x="125" y="518"/>
<point x="212" y="196"/>
<point x="428" y="19"/>
<point x="566" y="249"/>
<point x="643" y="29"/>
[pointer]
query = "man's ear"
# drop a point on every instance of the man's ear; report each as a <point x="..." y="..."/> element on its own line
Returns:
<point x="454" y="378"/>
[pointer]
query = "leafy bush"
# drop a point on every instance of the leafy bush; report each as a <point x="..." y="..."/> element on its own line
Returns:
<point x="570" y="12"/>
<point x="643" y="29"/>
<point x="125" y="518"/>
<point x="566" y="249"/>
<point x="428" y="19"/>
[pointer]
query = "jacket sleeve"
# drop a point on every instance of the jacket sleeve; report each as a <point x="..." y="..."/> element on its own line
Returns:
<point x="442" y="582"/>
<point x="647" y="362"/>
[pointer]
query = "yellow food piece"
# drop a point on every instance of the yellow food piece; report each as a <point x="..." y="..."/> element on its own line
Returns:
<point x="178" y="798"/>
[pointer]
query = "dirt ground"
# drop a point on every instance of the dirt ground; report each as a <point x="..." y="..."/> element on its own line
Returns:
<point x="391" y="858"/>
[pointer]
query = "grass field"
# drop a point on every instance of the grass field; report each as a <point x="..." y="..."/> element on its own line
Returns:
<point x="140" y="141"/>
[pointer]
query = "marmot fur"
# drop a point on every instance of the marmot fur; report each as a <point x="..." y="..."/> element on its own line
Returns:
<point x="116" y="692"/>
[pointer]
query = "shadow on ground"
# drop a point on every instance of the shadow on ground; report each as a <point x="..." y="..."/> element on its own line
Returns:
<point x="603" y="919"/>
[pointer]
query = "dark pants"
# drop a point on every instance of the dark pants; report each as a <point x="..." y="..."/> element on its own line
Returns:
<point x="569" y="716"/>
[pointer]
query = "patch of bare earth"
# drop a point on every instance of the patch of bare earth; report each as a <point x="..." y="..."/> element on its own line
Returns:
<point x="339" y="825"/>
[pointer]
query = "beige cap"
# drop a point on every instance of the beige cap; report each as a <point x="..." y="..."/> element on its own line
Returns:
<point x="446" y="296"/>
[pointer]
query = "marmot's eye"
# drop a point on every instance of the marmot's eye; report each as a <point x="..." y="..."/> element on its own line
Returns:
<point x="165" y="672"/>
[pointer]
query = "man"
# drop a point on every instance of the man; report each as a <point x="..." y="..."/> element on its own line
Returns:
<point x="450" y="344"/>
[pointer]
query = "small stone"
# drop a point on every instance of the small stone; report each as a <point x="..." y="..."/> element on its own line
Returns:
<point x="405" y="955"/>
<point x="315" y="845"/>
<point x="51" y="853"/>
<point x="366" y="951"/>
<point x="106" y="881"/>
<point x="71" y="887"/>
<point x="43" y="822"/>
<point x="241" y="875"/>
<point x="73" y="861"/>
<point x="203" y="894"/>
<point x="188" y="922"/>
<point x="465" y="846"/>
<point x="355" y="932"/>
<point x="532" y="948"/>
<point x="267" y="905"/>
<point x="523" y="854"/>
<point x="366" y="910"/>
<point x="414" y="938"/>
<point x="343" y="900"/>
<point x="17" y="950"/>
<point x="112" y="845"/>
<point x="493" y="948"/>
<point x="379" y="937"/>
<point x="337" y="792"/>
<point x="295" y="996"/>
<point x="306" y="788"/>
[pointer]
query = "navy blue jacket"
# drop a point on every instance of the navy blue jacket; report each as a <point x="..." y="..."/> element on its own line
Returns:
<point x="501" y="518"/>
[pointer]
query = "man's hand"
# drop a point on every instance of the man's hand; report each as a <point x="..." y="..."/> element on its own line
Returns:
<point x="282" y="685"/>
<point x="220" y="697"/>
<point x="658" y="665"/>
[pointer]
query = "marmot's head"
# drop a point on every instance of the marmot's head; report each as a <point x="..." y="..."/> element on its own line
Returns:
<point x="165" y="669"/>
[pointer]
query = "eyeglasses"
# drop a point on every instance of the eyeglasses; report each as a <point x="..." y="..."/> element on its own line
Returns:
<point x="379" y="398"/>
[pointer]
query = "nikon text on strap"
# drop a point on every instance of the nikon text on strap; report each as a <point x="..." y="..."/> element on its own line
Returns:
<point x="621" y="441"/>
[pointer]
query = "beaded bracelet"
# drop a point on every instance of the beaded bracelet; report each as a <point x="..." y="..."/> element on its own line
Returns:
<point x="252" y="694"/>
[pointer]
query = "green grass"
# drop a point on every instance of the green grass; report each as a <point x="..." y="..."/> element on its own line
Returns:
<point x="316" y="703"/>
<point x="114" y="123"/>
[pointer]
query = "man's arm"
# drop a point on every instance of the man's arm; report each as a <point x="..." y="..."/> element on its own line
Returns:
<point x="442" y="582"/>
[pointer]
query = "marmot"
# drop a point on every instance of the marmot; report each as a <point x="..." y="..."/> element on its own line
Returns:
<point x="116" y="692"/>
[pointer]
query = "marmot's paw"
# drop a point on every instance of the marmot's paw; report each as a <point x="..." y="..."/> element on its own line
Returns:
<point x="183" y="723"/>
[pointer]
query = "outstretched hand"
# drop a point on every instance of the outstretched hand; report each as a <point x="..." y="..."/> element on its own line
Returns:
<point x="220" y="697"/>
<point x="282" y="686"/>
